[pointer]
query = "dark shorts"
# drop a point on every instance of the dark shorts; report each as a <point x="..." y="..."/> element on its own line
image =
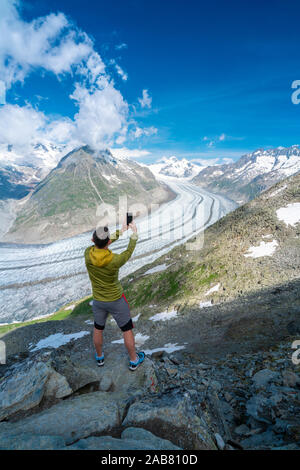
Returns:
<point x="119" y="309"/>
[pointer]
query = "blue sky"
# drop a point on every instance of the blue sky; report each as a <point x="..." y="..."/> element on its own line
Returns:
<point x="218" y="73"/>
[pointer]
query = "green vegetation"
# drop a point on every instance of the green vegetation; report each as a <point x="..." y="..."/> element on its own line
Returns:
<point x="82" y="308"/>
<point x="190" y="274"/>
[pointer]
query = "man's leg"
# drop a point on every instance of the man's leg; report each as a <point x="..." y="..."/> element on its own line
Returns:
<point x="130" y="344"/>
<point x="100" y="316"/>
<point x="98" y="341"/>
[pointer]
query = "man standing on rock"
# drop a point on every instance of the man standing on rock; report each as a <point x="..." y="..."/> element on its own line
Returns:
<point x="108" y="297"/>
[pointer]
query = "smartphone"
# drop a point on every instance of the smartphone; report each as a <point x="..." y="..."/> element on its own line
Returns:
<point x="129" y="218"/>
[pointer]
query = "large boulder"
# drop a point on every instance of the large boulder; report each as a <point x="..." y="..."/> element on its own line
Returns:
<point x="27" y="384"/>
<point x="171" y="417"/>
<point x="29" y="441"/>
<point x="259" y="407"/>
<point x="78" y="375"/>
<point x="131" y="439"/>
<point x="72" y="419"/>
<point x="113" y="377"/>
<point x="57" y="386"/>
<point x="263" y="377"/>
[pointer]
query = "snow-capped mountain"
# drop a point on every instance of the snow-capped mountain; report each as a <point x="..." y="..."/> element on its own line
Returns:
<point x="174" y="167"/>
<point x="252" y="173"/>
<point x="21" y="169"/>
<point x="16" y="181"/>
<point x="43" y="155"/>
<point x="66" y="201"/>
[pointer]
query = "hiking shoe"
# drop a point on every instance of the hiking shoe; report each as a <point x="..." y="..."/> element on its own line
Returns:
<point x="134" y="365"/>
<point x="99" y="360"/>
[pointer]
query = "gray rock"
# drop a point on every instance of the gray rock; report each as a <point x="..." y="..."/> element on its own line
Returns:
<point x="287" y="447"/>
<point x="227" y="396"/>
<point x="259" y="407"/>
<point x="78" y="376"/>
<point x="216" y="385"/>
<point x="86" y="373"/>
<point x="264" y="440"/>
<point x="263" y="377"/>
<point x="108" y="443"/>
<point x="57" y="386"/>
<point x="220" y="441"/>
<point x="73" y="419"/>
<point x="242" y="430"/>
<point x="106" y="383"/>
<point x="172" y="371"/>
<point x="29" y="441"/>
<point x="27" y="383"/>
<point x="139" y="434"/>
<point x="24" y="389"/>
<point x="131" y="439"/>
<point x="290" y="379"/>
<point x="171" y="417"/>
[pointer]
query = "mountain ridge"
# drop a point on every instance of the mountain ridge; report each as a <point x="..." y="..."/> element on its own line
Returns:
<point x="65" y="202"/>
<point x="251" y="174"/>
<point x="174" y="167"/>
<point x="227" y="262"/>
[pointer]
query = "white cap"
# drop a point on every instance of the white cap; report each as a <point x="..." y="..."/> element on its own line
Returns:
<point x="102" y="232"/>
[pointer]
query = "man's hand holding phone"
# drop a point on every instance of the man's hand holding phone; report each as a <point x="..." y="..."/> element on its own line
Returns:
<point x="129" y="223"/>
<point x="133" y="226"/>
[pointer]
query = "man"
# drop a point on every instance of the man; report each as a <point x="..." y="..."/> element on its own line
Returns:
<point x="108" y="297"/>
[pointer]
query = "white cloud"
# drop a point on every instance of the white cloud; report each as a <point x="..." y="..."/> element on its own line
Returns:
<point x="20" y="125"/>
<point x="146" y="131"/>
<point x="212" y="141"/>
<point x="129" y="153"/>
<point x="146" y="100"/>
<point x="102" y="113"/>
<point x="121" y="72"/>
<point x="206" y="161"/>
<point x="118" y="47"/>
<point x="212" y="161"/>
<point x="52" y="43"/>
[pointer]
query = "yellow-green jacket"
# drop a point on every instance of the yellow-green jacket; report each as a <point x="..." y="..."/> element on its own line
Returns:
<point x="103" y="269"/>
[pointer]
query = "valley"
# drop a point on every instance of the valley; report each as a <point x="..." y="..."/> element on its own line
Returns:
<point x="36" y="280"/>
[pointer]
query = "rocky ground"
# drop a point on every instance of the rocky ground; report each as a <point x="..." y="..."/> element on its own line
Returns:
<point x="201" y="387"/>
<point x="218" y="372"/>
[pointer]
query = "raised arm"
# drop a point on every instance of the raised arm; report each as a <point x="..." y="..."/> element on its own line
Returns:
<point x="125" y="255"/>
<point x="114" y="236"/>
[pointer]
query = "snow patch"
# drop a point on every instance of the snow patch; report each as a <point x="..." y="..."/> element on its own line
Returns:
<point x="169" y="348"/>
<point x="163" y="316"/>
<point x="213" y="289"/>
<point x="278" y="191"/>
<point x="58" y="339"/>
<point x="136" y="317"/>
<point x="205" y="304"/>
<point x="263" y="249"/>
<point x="290" y="215"/>
<point x="156" y="269"/>
<point x="139" y="340"/>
